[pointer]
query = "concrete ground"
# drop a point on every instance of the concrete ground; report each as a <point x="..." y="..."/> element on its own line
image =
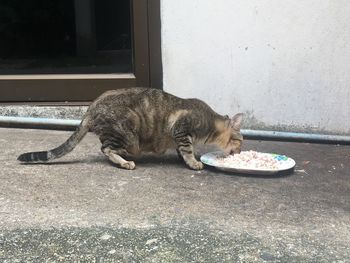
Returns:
<point x="83" y="209"/>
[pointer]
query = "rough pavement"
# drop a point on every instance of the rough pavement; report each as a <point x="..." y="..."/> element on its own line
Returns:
<point x="83" y="209"/>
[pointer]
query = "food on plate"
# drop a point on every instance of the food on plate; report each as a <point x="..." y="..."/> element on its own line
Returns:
<point x="252" y="160"/>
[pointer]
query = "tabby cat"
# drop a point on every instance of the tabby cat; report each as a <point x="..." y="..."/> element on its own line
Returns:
<point x="134" y="120"/>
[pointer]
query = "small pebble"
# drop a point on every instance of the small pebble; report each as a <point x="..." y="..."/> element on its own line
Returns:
<point x="151" y="241"/>
<point x="105" y="237"/>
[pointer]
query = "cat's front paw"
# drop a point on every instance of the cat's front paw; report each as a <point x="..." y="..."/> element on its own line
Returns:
<point x="196" y="165"/>
<point x="128" y="165"/>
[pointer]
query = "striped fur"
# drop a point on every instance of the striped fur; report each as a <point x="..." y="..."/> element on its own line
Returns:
<point x="135" y="120"/>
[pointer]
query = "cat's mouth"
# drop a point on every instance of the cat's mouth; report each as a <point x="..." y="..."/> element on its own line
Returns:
<point x="227" y="153"/>
<point x="233" y="152"/>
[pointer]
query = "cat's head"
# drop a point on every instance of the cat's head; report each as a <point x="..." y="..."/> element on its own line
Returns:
<point x="229" y="137"/>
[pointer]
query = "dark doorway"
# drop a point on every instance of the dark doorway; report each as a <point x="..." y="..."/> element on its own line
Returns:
<point x="113" y="27"/>
<point x="65" y="36"/>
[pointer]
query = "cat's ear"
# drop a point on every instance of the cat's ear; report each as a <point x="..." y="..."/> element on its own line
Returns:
<point x="236" y="121"/>
<point x="227" y="121"/>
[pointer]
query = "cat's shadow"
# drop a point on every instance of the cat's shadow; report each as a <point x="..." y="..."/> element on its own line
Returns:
<point x="143" y="160"/>
<point x="163" y="161"/>
<point x="53" y="163"/>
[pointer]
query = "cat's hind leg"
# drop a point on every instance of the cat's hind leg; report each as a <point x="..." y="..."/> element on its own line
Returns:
<point x="116" y="144"/>
<point x="113" y="156"/>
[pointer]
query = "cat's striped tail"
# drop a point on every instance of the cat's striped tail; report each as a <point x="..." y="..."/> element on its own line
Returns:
<point x="61" y="150"/>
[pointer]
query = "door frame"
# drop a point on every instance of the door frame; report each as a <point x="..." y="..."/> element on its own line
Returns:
<point x="80" y="89"/>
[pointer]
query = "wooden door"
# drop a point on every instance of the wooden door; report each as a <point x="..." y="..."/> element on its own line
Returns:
<point x="99" y="45"/>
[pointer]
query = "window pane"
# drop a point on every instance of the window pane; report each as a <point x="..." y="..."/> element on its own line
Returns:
<point x="65" y="36"/>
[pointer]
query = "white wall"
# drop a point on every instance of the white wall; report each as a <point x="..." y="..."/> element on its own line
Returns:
<point x="285" y="63"/>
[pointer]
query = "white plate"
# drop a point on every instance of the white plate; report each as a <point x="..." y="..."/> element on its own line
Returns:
<point x="284" y="163"/>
